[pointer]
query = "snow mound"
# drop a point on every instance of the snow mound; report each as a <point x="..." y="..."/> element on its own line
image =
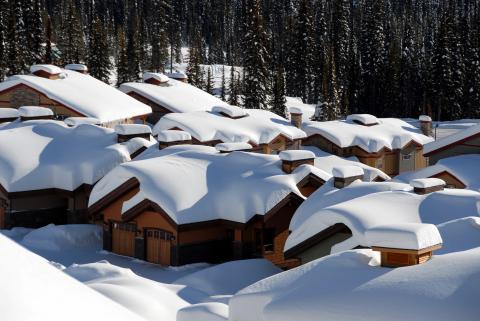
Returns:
<point x="210" y="311"/>
<point x="51" y="69"/>
<point x="365" y="119"/>
<point x="155" y="75"/>
<point x="9" y="113"/>
<point x="228" y="278"/>
<point x="460" y="235"/>
<point x="95" y="271"/>
<point x="173" y="136"/>
<point x="345" y="171"/>
<point x="132" y="129"/>
<point x="63" y="237"/>
<point x="231" y="111"/>
<point x="296" y="110"/>
<point x="411" y="236"/>
<point x="34" y="111"/>
<point x="76" y="67"/>
<point x="294" y="155"/>
<point x="75" y="121"/>
<point x="231" y="147"/>
<point x="427" y="182"/>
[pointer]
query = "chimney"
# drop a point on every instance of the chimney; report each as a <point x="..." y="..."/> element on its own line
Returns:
<point x="426" y="125"/>
<point x="424" y="186"/>
<point x="8" y="114"/>
<point x="153" y="78"/>
<point x="363" y="119"/>
<point x="126" y="132"/>
<point x="346" y="174"/>
<point x="291" y="159"/>
<point x="35" y="113"/>
<point x="233" y="147"/>
<point x="230" y="111"/>
<point x="75" y="121"/>
<point x="46" y="71"/>
<point x="404" y="244"/>
<point x="180" y="76"/>
<point x="296" y="116"/>
<point x="80" y="68"/>
<point x="168" y="138"/>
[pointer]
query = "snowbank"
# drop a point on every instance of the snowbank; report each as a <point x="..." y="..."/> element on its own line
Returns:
<point x="132" y="129"/>
<point x="344" y="171"/>
<point x="75" y="121"/>
<point x="173" y="136"/>
<point x="411" y="236"/>
<point x="294" y="155"/>
<point x="34" y="111"/>
<point x="9" y="113"/>
<point x="211" y="311"/>
<point x="231" y="147"/>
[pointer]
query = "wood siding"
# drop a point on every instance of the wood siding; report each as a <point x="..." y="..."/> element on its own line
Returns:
<point x="468" y="146"/>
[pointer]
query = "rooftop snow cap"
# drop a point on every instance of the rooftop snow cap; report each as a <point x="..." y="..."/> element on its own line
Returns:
<point x="296" y="116"/>
<point x="426" y="125"/>
<point x="81" y="68"/>
<point x="35" y="112"/>
<point x="173" y="137"/>
<point x="427" y="185"/>
<point x="404" y="244"/>
<point x="230" y="111"/>
<point x="346" y="174"/>
<point x="177" y="75"/>
<point x="8" y="114"/>
<point x="46" y="71"/>
<point x="155" y="78"/>
<point x="233" y="147"/>
<point x="75" y="121"/>
<point x="126" y="132"/>
<point x="363" y="119"/>
<point x="291" y="159"/>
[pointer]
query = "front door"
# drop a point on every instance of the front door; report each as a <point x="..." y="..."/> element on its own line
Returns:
<point x="158" y="243"/>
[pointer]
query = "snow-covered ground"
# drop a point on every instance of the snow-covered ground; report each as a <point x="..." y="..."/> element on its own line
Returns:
<point x="150" y="291"/>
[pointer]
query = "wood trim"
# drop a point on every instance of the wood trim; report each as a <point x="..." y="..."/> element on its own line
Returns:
<point x="39" y="192"/>
<point x="146" y="205"/>
<point x="315" y="239"/>
<point x="310" y="178"/>
<point x="446" y="172"/>
<point x="113" y="195"/>
<point x="458" y="142"/>
<point x="292" y="197"/>
<point x="407" y="251"/>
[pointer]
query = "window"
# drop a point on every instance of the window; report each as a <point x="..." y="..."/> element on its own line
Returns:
<point x="268" y="240"/>
<point x="406" y="156"/>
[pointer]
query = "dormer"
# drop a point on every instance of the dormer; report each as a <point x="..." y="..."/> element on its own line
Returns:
<point x="291" y="159"/>
<point x="8" y="115"/>
<point x="80" y="68"/>
<point x="35" y="113"/>
<point x="346" y="174"/>
<point x="233" y="147"/>
<point x="363" y="119"/>
<point x="126" y="132"/>
<point x="154" y="78"/>
<point x="230" y="111"/>
<point x="424" y="186"/>
<point x="46" y="71"/>
<point x="168" y="138"/>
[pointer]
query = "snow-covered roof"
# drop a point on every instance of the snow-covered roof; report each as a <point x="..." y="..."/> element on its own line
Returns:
<point x="365" y="119"/>
<point x="345" y="171"/>
<point x="452" y="139"/>
<point x="84" y="94"/>
<point x="295" y="104"/>
<point x="176" y="75"/>
<point x="41" y="154"/>
<point x="155" y="75"/>
<point x="51" y="69"/>
<point x="34" y="289"/>
<point x="294" y="155"/>
<point x="427" y="182"/>
<point x="173" y="136"/>
<point x="194" y="183"/>
<point x="34" y="111"/>
<point x="9" y="113"/>
<point x="132" y="129"/>
<point x="463" y="167"/>
<point x="231" y="147"/>
<point x="390" y="133"/>
<point x="259" y="127"/>
<point x="411" y="236"/>
<point x="362" y="206"/>
<point x="75" y="121"/>
<point x="352" y="286"/>
<point x="177" y="96"/>
<point x="76" y="67"/>
<point x="229" y="110"/>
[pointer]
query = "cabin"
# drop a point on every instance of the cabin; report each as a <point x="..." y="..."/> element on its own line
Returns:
<point x="464" y="142"/>
<point x="388" y="217"/>
<point x="177" y="75"/>
<point x="191" y="203"/>
<point x="71" y="92"/>
<point x="265" y="131"/>
<point x="48" y="169"/>
<point x="166" y="95"/>
<point x="389" y="144"/>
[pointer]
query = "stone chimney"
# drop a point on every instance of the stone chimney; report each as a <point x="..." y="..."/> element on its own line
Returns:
<point x="126" y="132"/>
<point x="35" y="113"/>
<point x="168" y="138"/>
<point x="291" y="159"/>
<point x="81" y="68"/>
<point x="233" y="147"/>
<point x="423" y="186"/>
<point x="426" y="125"/>
<point x="346" y="174"/>
<point x="153" y="78"/>
<point x="46" y="71"/>
<point x="8" y="114"/>
<point x="296" y="117"/>
<point x="404" y="244"/>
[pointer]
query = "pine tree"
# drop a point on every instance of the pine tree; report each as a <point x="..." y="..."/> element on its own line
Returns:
<point x="194" y="70"/>
<point x="122" y="64"/>
<point x="256" y="75"/>
<point x="35" y="34"/>
<point x="3" y="28"/>
<point x="278" y="101"/>
<point x="223" y="88"/>
<point x="209" y="82"/>
<point x="72" y="40"/>
<point x="48" y="57"/>
<point x="332" y="108"/>
<point x="16" y="40"/>
<point x="133" y="49"/>
<point x="159" y="41"/>
<point x="98" y="52"/>
<point x="233" y="88"/>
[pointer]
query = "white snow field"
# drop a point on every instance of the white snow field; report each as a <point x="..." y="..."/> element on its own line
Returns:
<point x="131" y="289"/>
<point x="352" y="286"/>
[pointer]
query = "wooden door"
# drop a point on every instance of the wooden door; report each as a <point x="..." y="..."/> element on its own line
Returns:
<point x="158" y="246"/>
<point x="123" y="238"/>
